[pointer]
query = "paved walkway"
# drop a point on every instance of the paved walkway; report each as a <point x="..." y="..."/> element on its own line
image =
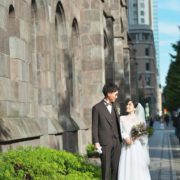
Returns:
<point x="165" y="153"/>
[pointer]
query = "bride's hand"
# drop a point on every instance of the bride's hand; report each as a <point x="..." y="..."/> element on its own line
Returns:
<point x="128" y="141"/>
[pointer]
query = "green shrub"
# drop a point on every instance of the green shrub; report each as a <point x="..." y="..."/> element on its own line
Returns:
<point x="91" y="151"/>
<point x="45" y="164"/>
<point x="150" y="131"/>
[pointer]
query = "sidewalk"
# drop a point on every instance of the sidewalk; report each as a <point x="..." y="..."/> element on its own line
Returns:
<point x="163" y="165"/>
<point x="176" y="154"/>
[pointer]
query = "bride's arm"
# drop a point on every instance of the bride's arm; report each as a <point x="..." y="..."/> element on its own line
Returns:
<point x="124" y="134"/>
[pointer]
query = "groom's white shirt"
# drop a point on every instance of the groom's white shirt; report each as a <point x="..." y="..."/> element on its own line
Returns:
<point x="108" y="105"/>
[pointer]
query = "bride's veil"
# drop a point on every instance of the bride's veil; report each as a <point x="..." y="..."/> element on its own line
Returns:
<point x="139" y="112"/>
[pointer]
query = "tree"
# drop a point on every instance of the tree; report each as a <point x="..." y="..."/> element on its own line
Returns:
<point x="172" y="89"/>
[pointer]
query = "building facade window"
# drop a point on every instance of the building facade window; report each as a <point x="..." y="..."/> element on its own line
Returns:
<point x="134" y="5"/>
<point x="142" y="13"/>
<point x="142" y="20"/>
<point x="135" y="13"/>
<point x="140" y="37"/>
<point x="146" y="51"/>
<point x="136" y="20"/>
<point x="147" y="66"/>
<point x="146" y="36"/>
<point x="132" y="36"/>
<point x="142" y="5"/>
<point x="137" y="37"/>
<point x="148" y="79"/>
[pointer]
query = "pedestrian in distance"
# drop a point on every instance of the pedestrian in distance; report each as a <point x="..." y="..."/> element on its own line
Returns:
<point x="166" y="119"/>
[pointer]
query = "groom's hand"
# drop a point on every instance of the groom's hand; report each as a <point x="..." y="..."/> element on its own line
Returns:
<point x="97" y="145"/>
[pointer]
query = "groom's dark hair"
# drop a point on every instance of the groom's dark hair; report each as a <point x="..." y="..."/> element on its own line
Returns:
<point x="109" y="88"/>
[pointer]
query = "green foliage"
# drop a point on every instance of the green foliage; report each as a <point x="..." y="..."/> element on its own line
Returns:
<point x="45" y="164"/>
<point x="150" y="131"/>
<point x="91" y="151"/>
<point x="172" y="89"/>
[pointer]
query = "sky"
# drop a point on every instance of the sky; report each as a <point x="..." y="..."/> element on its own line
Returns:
<point x="169" y="20"/>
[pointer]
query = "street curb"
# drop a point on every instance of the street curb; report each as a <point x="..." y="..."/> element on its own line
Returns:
<point x="174" y="177"/>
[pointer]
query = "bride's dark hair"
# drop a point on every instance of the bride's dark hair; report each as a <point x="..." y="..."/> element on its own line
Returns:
<point x="133" y="100"/>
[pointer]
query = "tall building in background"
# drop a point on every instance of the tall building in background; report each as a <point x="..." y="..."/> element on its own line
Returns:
<point x="156" y="41"/>
<point x="140" y="12"/>
<point x="156" y="33"/>
<point x="142" y="42"/>
<point x="145" y="12"/>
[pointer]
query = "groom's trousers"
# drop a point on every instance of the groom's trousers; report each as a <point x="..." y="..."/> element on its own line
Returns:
<point x="110" y="159"/>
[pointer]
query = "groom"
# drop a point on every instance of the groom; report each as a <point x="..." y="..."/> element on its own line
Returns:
<point x="106" y="131"/>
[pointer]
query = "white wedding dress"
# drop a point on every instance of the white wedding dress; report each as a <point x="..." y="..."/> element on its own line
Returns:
<point x="134" y="159"/>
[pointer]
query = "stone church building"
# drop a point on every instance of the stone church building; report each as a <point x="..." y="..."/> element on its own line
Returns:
<point x="55" y="56"/>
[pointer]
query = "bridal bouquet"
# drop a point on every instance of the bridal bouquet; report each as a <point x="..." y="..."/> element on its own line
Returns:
<point x="138" y="130"/>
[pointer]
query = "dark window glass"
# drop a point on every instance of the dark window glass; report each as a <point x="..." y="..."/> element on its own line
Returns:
<point x="148" y="80"/>
<point x="147" y="51"/>
<point x="142" y="13"/>
<point x="147" y="66"/>
<point x="142" y="20"/>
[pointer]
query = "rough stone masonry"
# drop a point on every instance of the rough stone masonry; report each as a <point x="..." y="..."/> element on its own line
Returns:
<point x="55" y="56"/>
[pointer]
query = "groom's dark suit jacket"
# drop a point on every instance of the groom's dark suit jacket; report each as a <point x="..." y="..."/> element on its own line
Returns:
<point x="105" y="126"/>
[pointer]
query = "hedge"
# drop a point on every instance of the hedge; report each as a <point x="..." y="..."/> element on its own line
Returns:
<point x="45" y="164"/>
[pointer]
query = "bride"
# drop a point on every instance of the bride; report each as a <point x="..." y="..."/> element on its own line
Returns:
<point x="134" y="159"/>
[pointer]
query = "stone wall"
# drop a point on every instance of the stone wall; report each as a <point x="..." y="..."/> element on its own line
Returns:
<point x="55" y="57"/>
